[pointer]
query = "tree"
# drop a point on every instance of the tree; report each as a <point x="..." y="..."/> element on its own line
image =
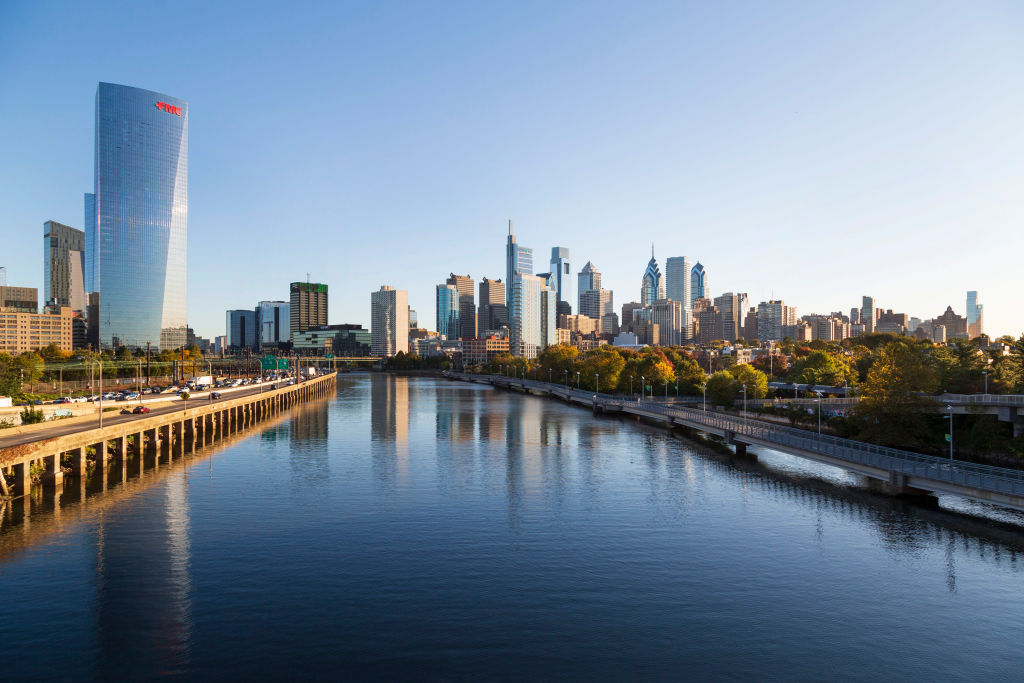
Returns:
<point x="604" y="361"/>
<point x="755" y="380"/>
<point x="53" y="354"/>
<point x="557" y="362"/>
<point x="652" y="365"/>
<point x="822" y="367"/>
<point x="723" y="388"/>
<point x="960" y="367"/>
<point x="892" y="410"/>
<point x="690" y="376"/>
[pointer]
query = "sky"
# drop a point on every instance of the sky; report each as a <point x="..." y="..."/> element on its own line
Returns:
<point x="808" y="151"/>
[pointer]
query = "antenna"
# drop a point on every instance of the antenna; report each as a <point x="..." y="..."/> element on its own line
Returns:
<point x="509" y="226"/>
<point x="307" y="278"/>
<point x="3" y="276"/>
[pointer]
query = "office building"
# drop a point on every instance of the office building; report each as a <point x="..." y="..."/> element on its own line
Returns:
<point x="975" y="316"/>
<point x="526" y="332"/>
<point x="19" y="299"/>
<point x="699" y="287"/>
<point x="729" y="310"/>
<point x="492" y="294"/>
<point x="273" y="323"/>
<point x="389" y="322"/>
<point x="483" y="350"/>
<point x="136" y="218"/>
<point x="307" y="306"/>
<point x="548" y="317"/>
<point x="597" y="303"/>
<point x="467" y="308"/>
<point x="652" y="286"/>
<point x="241" y="329"/>
<point x="518" y="259"/>
<point x="448" y="311"/>
<point x="413" y="319"/>
<point x="21" y="331"/>
<point x="677" y="280"/>
<point x="772" y="319"/>
<point x="561" y="276"/>
<point x="867" y="314"/>
<point x="667" y="314"/>
<point x="588" y="279"/>
<point x="63" y="266"/>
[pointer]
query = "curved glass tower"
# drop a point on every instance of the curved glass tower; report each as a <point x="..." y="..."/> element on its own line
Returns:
<point x="137" y="217"/>
<point x="652" y="287"/>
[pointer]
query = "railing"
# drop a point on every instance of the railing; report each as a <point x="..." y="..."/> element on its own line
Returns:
<point x="987" y="477"/>
<point x="981" y="399"/>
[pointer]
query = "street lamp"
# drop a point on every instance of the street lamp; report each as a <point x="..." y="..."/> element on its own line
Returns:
<point x="677" y="387"/>
<point x="950" y="418"/>
<point x="567" y="378"/>
<point x="597" y="382"/>
<point x="705" y="397"/>
<point x="666" y="391"/>
<point x="549" y="375"/>
<point x="643" y="387"/>
<point x="577" y="380"/>
<point x="745" y="402"/>
<point x="818" y="401"/>
<point x="985" y="372"/>
<point x="631" y="386"/>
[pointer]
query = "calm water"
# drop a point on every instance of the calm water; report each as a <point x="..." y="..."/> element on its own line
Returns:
<point x="434" y="530"/>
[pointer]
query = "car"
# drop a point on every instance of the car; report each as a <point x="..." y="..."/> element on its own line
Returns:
<point x="139" y="410"/>
<point x="126" y="411"/>
<point x="63" y="399"/>
<point x="214" y="395"/>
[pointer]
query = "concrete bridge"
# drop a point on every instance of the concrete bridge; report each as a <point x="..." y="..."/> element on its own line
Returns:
<point x="174" y="433"/>
<point x="904" y="472"/>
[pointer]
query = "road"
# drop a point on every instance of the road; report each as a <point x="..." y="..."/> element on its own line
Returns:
<point x="113" y="418"/>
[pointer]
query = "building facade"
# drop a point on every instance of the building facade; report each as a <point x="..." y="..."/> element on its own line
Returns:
<point x="561" y="276"/>
<point x="19" y="299"/>
<point x="447" y="299"/>
<point x="677" y="280"/>
<point x="975" y="316"/>
<point x="241" y="329"/>
<point x="699" y="287"/>
<point x="518" y="259"/>
<point x="136" y="218"/>
<point x="525" y="315"/>
<point x="63" y="266"/>
<point x="597" y="303"/>
<point x="389" y="322"/>
<point x="273" y="323"/>
<point x="467" y="308"/>
<point x="652" y="285"/>
<point x="492" y="294"/>
<point x="307" y="306"/>
<point x="21" y="332"/>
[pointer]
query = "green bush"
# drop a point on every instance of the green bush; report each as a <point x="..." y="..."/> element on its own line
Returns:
<point x="30" y="416"/>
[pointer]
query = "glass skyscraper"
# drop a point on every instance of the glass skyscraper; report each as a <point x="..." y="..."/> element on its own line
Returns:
<point x="137" y="217"/>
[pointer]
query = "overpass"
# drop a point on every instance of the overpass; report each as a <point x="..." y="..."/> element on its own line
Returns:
<point x="905" y="472"/>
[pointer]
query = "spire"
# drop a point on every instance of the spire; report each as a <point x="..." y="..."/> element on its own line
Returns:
<point x="652" y="251"/>
<point x="509" y="226"/>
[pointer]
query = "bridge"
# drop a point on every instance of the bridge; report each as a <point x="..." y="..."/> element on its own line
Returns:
<point x="904" y="472"/>
<point x="175" y="431"/>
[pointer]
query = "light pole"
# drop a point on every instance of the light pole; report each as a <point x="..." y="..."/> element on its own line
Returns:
<point x="567" y="379"/>
<point x="677" y="387"/>
<point x="950" y="418"/>
<point x="140" y="380"/>
<point x="631" y="386"/>
<point x="666" y="391"/>
<point x="643" y="387"/>
<point x="549" y="369"/>
<point x="577" y="380"/>
<point x="597" y="382"/>
<point x="705" y="397"/>
<point x="985" y="372"/>
<point x="818" y="401"/>
<point x="744" y="401"/>
<point x="100" y="361"/>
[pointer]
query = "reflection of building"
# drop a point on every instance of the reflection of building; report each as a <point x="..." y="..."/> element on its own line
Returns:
<point x="136" y="230"/>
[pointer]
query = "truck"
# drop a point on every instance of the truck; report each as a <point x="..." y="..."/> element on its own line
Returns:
<point x="203" y="381"/>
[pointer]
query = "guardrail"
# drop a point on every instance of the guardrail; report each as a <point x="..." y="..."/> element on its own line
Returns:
<point x="987" y="477"/>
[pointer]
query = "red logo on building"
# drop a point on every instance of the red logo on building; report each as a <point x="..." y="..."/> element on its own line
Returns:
<point x="169" y="108"/>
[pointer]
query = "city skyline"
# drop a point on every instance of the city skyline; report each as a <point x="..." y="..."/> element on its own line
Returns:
<point x="891" y="196"/>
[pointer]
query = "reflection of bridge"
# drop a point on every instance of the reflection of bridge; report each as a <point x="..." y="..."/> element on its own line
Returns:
<point x="906" y="472"/>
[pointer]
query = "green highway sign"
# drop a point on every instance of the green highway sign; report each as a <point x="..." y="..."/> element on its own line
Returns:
<point x="329" y="355"/>
<point x="269" y="362"/>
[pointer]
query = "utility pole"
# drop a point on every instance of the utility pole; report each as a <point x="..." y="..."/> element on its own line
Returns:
<point x="147" y="363"/>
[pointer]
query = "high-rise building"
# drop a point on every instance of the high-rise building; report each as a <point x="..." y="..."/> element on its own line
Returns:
<point x="307" y="306"/>
<point x="136" y="218"/>
<point x="729" y="309"/>
<point x="699" y="287"/>
<point x="667" y="314"/>
<point x="63" y="266"/>
<point x="561" y="275"/>
<point x="447" y="300"/>
<point x="492" y="293"/>
<point x="652" y="286"/>
<point x="467" y="309"/>
<point x="677" y="280"/>
<point x="975" y="316"/>
<point x="867" y="314"/>
<point x="525" y="315"/>
<point x="548" y="317"/>
<point x="273" y="320"/>
<point x="596" y="303"/>
<point x="518" y="259"/>
<point x="21" y="332"/>
<point x="772" y="319"/>
<point x="19" y="299"/>
<point x="589" y="278"/>
<point x="389" y="321"/>
<point x="241" y="329"/>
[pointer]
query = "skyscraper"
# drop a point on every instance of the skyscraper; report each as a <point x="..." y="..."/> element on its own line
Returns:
<point x="518" y="259"/>
<point x="867" y="314"/>
<point x="677" y="280"/>
<point x="562" y="276"/>
<point x="467" y="309"/>
<point x="273" y="320"/>
<point x="975" y="316"/>
<point x="492" y="294"/>
<point x="241" y="329"/>
<point x="699" y="287"/>
<point x="389" y="322"/>
<point x="652" y="287"/>
<point x="63" y="266"/>
<point x="307" y="306"/>
<point x="597" y="303"/>
<point x="728" y="307"/>
<point x="667" y="314"/>
<point x="448" y="311"/>
<point x="526" y="337"/>
<point x="136" y="230"/>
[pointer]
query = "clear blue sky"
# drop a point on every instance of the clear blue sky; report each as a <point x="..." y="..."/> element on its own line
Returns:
<point x="814" y="151"/>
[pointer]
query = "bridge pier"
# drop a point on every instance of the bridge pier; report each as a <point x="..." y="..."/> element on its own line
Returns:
<point x="54" y="475"/>
<point x="22" y="479"/>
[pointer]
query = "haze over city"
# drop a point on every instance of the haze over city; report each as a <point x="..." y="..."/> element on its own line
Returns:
<point x="806" y="152"/>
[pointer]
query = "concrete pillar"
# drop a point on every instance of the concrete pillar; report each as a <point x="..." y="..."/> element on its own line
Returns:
<point x="78" y="467"/>
<point x="54" y="475"/>
<point x="22" y="480"/>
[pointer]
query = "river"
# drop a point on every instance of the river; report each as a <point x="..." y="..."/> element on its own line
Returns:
<point x="420" y="528"/>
